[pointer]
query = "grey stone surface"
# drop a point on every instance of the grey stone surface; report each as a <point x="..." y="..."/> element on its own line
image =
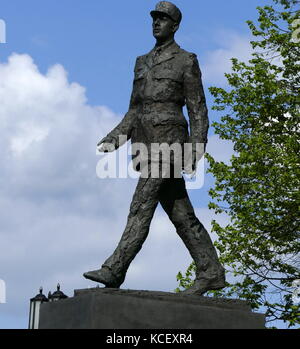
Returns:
<point x="105" y="308"/>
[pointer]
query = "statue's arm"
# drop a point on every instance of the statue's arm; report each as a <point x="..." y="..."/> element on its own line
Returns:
<point x="124" y="128"/>
<point x="196" y="104"/>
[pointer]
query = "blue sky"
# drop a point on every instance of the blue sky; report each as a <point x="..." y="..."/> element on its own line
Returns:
<point x="97" y="41"/>
<point x="65" y="79"/>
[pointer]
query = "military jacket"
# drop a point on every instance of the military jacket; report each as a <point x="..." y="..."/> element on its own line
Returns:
<point x="165" y="79"/>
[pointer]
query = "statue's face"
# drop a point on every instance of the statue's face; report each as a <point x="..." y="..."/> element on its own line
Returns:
<point x="163" y="27"/>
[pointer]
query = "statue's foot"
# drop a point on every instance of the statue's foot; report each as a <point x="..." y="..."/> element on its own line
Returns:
<point x="203" y="285"/>
<point x="104" y="276"/>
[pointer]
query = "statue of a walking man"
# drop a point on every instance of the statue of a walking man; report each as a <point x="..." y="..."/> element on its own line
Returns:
<point x="165" y="79"/>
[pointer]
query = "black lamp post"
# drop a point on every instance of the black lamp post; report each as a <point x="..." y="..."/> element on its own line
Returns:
<point x="34" y="312"/>
<point x="35" y="304"/>
<point x="57" y="295"/>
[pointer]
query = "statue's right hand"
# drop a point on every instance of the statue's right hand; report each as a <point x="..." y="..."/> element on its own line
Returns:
<point x="107" y="144"/>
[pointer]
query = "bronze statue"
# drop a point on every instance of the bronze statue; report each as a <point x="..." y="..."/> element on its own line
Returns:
<point x="165" y="79"/>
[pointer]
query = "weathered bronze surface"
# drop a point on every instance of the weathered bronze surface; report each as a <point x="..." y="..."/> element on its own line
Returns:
<point x="165" y="79"/>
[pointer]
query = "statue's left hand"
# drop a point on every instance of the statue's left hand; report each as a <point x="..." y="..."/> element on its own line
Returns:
<point x="107" y="144"/>
<point x="197" y="154"/>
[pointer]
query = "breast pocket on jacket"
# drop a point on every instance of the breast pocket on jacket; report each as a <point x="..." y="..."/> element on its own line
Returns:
<point x="167" y="85"/>
<point x="168" y="74"/>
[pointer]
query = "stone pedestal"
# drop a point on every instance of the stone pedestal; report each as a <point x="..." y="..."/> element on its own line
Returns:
<point x="107" y="308"/>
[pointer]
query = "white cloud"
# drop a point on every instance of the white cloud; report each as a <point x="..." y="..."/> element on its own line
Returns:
<point x="217" y="62"/>
<point x="57" y="219"/>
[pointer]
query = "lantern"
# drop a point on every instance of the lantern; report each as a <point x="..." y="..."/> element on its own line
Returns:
<point x="57" y="295"/>
<point x="34" y="313"/>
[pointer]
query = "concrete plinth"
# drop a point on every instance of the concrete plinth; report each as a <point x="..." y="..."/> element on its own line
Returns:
<point x="107" y="308"/>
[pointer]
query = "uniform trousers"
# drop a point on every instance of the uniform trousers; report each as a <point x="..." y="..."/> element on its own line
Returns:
<point x="172" y="195"/>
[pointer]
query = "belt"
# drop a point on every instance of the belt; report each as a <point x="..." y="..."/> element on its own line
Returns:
<point x="152" y="107"/>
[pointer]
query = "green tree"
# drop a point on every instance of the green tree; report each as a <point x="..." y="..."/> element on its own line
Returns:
<point x="259" y="188"/>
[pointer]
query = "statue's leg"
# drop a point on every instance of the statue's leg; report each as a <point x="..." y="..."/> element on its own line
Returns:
<point x="143" y="205"/>
<point x="175" y="201"/>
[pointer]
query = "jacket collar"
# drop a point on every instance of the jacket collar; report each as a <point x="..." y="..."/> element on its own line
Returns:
<point x="165" y="52"/>
<point x="161" y="48"/>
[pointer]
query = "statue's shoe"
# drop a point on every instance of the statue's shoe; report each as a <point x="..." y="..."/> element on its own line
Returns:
<point x="104" y="276"/>
<point x="203" y="285"/>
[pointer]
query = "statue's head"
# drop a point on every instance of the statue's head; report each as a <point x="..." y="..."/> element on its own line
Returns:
<point x="166" y="20"/>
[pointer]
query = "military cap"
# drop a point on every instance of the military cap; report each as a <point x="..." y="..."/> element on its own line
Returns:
<point x="169" y="9"/>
